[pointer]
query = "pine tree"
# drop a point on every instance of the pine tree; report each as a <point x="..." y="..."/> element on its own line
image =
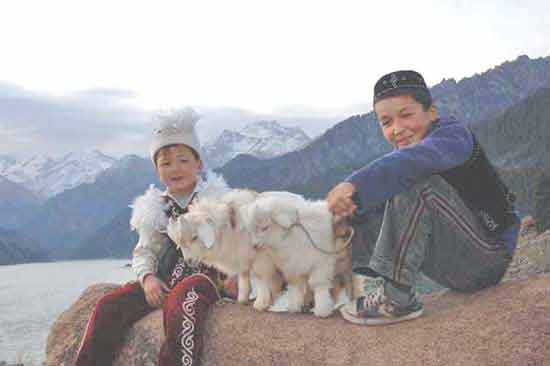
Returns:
<point x="542" y="202"/>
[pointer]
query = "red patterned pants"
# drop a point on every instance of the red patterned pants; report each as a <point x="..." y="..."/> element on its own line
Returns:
<point x="184" y="311"/>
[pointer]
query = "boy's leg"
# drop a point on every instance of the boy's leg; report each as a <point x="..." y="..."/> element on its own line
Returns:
<point x="429" y="228"/>
<point x="185" y="311"/>
<point x="366" y="232"/>
<point x="113" y="314"/>
<point x="463" y="255"/>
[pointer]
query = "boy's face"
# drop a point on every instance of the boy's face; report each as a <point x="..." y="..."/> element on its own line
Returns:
<point x="403" y="120"/>
<point x="177" y="168"/>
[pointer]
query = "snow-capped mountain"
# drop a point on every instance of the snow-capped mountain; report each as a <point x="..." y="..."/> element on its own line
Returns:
<point x="264" y="139"/>
<point x="47" y="177"/>
<point x="6" y="162"/>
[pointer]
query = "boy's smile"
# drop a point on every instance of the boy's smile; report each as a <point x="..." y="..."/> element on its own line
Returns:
<point x="177" y="168"/>
<point x="403" y="120"/>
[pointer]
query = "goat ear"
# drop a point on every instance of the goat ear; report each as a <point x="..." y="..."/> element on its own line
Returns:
<point x="285" y="218"/>
<point x="233" y="215"/>
<point x="243" y="216"/>
<point x="207" y="233"/>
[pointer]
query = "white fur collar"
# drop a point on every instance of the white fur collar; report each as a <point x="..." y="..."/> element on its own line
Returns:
<point x="212" y="185"/>
<point x="148" y="209"/>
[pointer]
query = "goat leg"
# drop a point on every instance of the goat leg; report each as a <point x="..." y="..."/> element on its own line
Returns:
<point x="244" y="287"/>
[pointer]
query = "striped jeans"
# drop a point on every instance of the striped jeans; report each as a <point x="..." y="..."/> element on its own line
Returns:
<point x="429" y="229"/>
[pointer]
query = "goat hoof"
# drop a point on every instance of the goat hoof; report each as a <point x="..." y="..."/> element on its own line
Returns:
<point x="294" y="308"/>
<point x="261" y="305"/>
<point x="323" y="311"/>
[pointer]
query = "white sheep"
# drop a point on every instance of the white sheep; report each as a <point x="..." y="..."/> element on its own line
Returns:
<point x="299" y="236"/>
<point x="211" y="233"/>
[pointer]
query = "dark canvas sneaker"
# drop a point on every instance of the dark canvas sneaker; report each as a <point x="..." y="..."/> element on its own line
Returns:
<point x="377" y="309"/>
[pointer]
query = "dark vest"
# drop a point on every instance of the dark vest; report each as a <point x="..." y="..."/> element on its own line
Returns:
<point x="170" y="255"/>
<point x="481" y="188"/>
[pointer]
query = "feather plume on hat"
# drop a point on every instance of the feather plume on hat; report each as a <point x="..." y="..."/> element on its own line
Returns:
<point x="173" y="127"/>
<point x="183" y="119"/>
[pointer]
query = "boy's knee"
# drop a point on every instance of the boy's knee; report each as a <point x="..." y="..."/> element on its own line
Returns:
<point x="434" y="183"/>
<point x="199" y="284"/>
<point x="106" y="302"/>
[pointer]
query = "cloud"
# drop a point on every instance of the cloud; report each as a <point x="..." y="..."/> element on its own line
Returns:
<point x="55" y="125"/>
<point x="104" y="94"/>
<point x="111" y="121"/>
<point x="8" y="90"/>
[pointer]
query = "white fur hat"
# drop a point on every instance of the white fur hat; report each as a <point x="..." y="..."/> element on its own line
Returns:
<point x="175" y="127"/>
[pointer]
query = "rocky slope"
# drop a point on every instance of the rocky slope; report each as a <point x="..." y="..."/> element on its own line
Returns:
<point x="114" y="240"/>
<point x="17" y="204"/>
<point x="518" y="142"/>
<point x="504" y="325"/>
<point x="481" y="96"/>
<point x="541" y="207"/>
<point x="76" y="214"/>
<point x="15" y="248"/>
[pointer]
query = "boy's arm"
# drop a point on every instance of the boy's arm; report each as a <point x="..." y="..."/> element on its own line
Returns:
<point x="446" y="147"/>
<point x="148" y="218"/>
<point x="145" y="255"/>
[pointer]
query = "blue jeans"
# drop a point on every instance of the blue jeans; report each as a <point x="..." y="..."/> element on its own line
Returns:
<point x="429" y="229"/>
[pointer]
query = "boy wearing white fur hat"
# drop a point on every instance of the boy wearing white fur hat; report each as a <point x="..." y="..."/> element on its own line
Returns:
<point x="164" y="280"/>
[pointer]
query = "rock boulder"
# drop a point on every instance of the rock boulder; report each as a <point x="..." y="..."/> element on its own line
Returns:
<point x="505" y="325"/>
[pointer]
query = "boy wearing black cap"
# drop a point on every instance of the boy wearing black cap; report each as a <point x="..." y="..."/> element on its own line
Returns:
<point x="435" y="204"/>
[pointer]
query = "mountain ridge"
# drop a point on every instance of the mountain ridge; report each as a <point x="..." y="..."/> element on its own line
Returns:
<point x="364" y="142"/>
<point x="329" y="158"/>
<point x="47" y="177"/>
<point x="263" y="139"/>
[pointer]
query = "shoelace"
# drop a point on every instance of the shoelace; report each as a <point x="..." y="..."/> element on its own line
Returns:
<point x="374" y="298"/>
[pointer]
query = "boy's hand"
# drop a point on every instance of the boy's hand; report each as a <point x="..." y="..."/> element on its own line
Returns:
<point x="231" y="287"/>
<point x="339" y="200"/>
<point x="155" y="290"/>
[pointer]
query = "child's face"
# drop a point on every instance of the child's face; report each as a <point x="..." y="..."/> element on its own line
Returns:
<point x="178" y="168"/>
<point x="403" y="120"/>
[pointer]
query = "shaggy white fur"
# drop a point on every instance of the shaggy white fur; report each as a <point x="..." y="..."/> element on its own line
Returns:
<point x="183" y="119"/>
<point x="245" y="232"/>
<point x="149" y="220"/>
<point x="298" y="234"/>
<point x="148" y="212"/>
<point x="148" y="209"/>
<point x="211" y="233"/>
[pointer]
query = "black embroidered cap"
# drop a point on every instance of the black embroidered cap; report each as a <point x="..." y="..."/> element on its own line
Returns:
<point x="404" y="79"/>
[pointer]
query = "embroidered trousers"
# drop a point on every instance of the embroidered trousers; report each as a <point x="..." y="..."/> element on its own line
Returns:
<point x="429" y="229"/>
<point x="184" y="311"/>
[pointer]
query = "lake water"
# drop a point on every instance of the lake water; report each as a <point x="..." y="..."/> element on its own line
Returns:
<point x="33" y="295"/>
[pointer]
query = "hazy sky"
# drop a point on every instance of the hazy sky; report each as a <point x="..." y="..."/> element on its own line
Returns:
<point x="78" y="75"/>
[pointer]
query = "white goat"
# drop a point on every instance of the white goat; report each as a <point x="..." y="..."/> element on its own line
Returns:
<point x="299" y="236"/>
<point x="211" y="232"/>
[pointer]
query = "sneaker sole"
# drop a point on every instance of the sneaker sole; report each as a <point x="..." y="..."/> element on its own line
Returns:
<point x="379" y="321"/>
